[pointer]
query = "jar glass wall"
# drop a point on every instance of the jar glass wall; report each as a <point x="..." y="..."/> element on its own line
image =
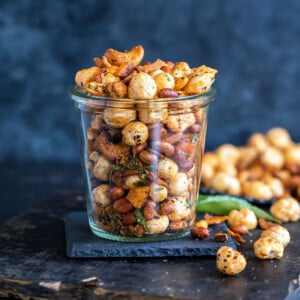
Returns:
<point x="142" y="164"/>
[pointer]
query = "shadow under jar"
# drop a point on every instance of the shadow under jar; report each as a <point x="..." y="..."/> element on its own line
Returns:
<point x="142" y="164"/>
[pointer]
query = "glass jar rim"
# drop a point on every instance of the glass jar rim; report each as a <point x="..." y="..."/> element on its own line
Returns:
<point x="79" y="95"/>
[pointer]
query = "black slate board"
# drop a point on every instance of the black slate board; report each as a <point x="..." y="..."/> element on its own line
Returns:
<point x="82" y="243"/>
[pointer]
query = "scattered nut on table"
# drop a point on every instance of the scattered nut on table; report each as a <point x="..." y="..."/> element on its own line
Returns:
<point x="230" y="261"/>
<point x="268" y="248"/>
<point x="286" y="209"/>
<point x="221" y="237"/>
<point x="199" y="232"/>
<point x="278" y="232"/>
<point x="267" y="167"/>
<point x="244" y="216"/>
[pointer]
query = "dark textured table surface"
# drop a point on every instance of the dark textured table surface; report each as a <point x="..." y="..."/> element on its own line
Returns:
<point x="33" y="250"/>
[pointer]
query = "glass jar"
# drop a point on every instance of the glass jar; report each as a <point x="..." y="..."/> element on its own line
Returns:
<point x="142" y="164"/>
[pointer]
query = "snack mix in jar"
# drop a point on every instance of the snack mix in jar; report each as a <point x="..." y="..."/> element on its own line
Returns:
<point x="143" y="132"/>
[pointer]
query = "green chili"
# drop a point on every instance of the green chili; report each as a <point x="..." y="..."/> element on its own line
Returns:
<point x="222" y="205"/>
<point x="140" y="218"/>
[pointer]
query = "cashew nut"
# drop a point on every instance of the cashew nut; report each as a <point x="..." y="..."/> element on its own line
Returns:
<point x="84" y="76"/>
<point x="117" y="58"/>
<point x="109" y="150"/>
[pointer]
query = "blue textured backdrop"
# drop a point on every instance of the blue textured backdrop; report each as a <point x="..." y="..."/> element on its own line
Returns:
<point x="255" y="45"/>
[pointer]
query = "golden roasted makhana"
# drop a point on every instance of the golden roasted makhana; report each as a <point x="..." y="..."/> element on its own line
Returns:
<point x="122" y="75"/>
<point x="230" y="261"/>
<point x="267" y="167"/>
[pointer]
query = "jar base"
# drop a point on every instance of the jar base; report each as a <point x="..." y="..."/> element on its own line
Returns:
<point x="145" y="239"/>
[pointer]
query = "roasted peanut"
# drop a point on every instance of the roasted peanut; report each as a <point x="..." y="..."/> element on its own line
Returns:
<point x="178" y="225"/>
<point x="116" y="193"/>
<point x="150" y="213"/>
<point x="129" y="218"/>
<point x="167" y="93"/>
<point x="166" y="208"/>
<point x="199" y="233"/>
<point x="172" y="138"/>
<point x="163" y="147"/>
<point x="156" y="131"/>
<point x="147" y="157"/>
<point x="138" y="148"/>
<point x="184" y="164"/>
<point x="196" y="128"/>
<point x="122" y="206"/>
<point x="241" y="229"/>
